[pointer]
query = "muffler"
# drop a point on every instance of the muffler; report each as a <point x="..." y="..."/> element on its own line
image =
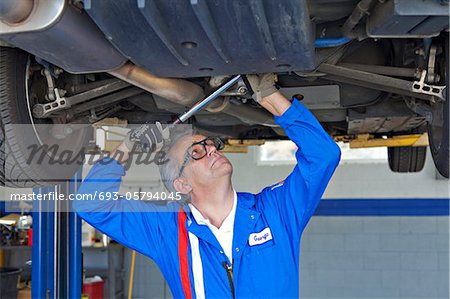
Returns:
<point x="59" y="33"/>
<point x="15" y="11"/>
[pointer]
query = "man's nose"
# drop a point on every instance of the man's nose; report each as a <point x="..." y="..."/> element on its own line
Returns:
<point x="210" y="149"/>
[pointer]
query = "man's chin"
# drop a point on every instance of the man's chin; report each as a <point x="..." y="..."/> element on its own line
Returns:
<point x="220" y="162"/>
<point x="223" y="167"/>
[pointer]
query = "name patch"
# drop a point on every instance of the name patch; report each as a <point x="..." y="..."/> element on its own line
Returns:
<point x="260" y="238"/>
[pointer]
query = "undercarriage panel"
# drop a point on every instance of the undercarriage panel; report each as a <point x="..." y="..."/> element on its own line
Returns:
<point x="406" y="18"/>
<point x="384" y="124"/>
<point x="177" y="38"/>
<point x="388" y="116"/>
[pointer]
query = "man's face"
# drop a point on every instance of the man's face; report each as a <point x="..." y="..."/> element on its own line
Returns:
<point x="203" y="172"/>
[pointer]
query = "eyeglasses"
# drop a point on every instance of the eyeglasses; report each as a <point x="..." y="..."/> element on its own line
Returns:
<point x="198" y="150"/>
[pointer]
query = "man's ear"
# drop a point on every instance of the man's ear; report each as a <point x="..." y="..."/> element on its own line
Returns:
<point x="182" y="185"/>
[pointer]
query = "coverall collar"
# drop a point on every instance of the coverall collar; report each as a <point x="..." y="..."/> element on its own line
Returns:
<point x="228" y="222"/>
<point x="245" y="219"/>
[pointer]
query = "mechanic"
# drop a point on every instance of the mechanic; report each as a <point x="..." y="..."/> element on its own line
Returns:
<point x="219" y="243"/>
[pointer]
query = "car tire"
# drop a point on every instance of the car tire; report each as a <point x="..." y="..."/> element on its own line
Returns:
<point x="438" y="129"/>
<point x="406" y="158"/>
<point x="17" y="133"/>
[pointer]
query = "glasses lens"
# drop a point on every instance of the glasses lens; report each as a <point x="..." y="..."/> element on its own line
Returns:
<point x="218" y="143"/>
<point x="197" y="151"/>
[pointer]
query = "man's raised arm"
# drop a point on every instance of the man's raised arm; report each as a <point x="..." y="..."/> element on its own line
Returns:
<point x="134" y="223"/>
<point x="317" y="156"/>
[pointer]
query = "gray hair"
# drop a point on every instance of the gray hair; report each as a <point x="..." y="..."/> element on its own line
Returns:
<point x="169" y="171"/>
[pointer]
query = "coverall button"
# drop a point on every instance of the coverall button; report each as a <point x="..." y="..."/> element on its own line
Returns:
<point x="221" y="252"/>
<point x="237" y="249"/>
<point x="252" y="217"/>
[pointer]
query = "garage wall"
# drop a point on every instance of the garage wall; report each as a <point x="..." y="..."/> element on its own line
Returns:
<point x="367" y="257"/>
<point x="352" y="256"/>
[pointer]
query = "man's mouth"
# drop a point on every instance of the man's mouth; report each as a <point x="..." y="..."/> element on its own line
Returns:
<point x="217" y="159"/>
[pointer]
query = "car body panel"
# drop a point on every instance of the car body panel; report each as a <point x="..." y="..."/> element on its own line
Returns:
<point x="173" y="38"/>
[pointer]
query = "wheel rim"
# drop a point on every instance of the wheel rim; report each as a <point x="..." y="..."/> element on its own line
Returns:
<point x="28" y="101"/>
<point x="436" y="127"/>
<point x="46" y="139"/>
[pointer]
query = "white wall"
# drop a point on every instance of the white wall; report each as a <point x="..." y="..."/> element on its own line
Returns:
<point x="351" y="180"/>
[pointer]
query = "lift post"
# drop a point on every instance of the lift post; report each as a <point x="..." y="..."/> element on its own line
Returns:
<point x="56" y="250"/>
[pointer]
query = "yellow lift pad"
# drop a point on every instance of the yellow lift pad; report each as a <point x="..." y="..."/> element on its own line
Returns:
<point x="241" y="145"/>
<point x="367" y="140"/>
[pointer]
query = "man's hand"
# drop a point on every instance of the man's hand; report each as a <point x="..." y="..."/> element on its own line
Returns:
<point x="146" y="138"/>
<point x="263" y="85"/>
<point x="267" y="95"/>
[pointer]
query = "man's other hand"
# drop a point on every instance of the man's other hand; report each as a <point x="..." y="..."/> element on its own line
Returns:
<point x="148" y="137"/>
<point x="266" y="93"/>
<point x="263" y="85"/>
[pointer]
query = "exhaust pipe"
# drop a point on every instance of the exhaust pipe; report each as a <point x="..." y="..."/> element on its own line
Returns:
<point x="15" y="11"/>
<point x="186" y="93"/>
<point x="57" y="32"/>
<point x="247" y="114"/>
<point x="178" y="91"/>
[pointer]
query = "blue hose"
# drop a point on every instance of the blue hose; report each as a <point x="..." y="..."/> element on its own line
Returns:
<point x="328" y="42"/>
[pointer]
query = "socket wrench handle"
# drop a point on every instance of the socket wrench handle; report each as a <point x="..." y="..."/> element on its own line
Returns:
<point x="200" y="105"/>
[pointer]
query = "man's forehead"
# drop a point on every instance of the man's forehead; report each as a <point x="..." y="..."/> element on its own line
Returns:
<point x="191" y="139"/>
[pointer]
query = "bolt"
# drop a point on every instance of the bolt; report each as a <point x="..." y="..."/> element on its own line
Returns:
<point x="419" y="52"/>
<point x="242" y="90"/>
<point x="38" y="111"/>
<point x="68" y="130"/>
<point x="62" y="92"/>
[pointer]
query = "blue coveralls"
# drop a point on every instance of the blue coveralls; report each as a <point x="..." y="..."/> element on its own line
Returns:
<point x="269" y="269"/>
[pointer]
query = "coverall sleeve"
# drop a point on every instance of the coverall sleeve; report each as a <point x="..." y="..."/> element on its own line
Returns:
<point x="133" y="223"/>
<point x="317" y="158"/>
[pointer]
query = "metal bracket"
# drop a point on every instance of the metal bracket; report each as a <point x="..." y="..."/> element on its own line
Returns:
<point x="43" y="110"/>
<point x="433" y="90"/>
<point x="417" y="89"/>
<point x="240" y="91"/>
<point x="50" y="96"/>
<point x="431" y="76"/>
